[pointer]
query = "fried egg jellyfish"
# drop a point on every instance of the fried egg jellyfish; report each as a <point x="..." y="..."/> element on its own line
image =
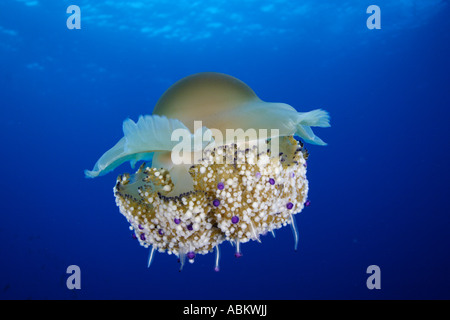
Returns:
<point x="229" y="187"/>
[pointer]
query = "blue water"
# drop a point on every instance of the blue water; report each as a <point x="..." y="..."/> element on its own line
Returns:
<point x="379" y="191"/>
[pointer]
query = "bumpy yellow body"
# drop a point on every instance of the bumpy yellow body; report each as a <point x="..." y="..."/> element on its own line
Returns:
<point x="238" y="195"/>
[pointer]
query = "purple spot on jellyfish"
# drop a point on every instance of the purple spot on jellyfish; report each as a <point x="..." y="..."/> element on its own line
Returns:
<point x="177" y="221"/>
<point x="290" y="205"/>
<point x="272" y="181"/>
<point x="220" y="186"/>
<point x="307" y="203"/>
<point x="216" y="203"/>
<point x="142" y="236"/>
<point x="258" y="175"/>
<point x="161" y="232"/>
<point x="190" y="255"/>
<point x="235" y="219"/>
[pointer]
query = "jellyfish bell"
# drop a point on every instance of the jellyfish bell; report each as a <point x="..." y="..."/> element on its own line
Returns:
<point x="204" y="96"/>
<point x="227" y="188"/>
<point x="223" y="102"/>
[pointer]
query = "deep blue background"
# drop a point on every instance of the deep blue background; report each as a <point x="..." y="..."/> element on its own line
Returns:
<point x="379" y="190"/>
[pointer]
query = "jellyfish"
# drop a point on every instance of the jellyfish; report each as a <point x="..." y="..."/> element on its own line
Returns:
<point x="238" y="173"/>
